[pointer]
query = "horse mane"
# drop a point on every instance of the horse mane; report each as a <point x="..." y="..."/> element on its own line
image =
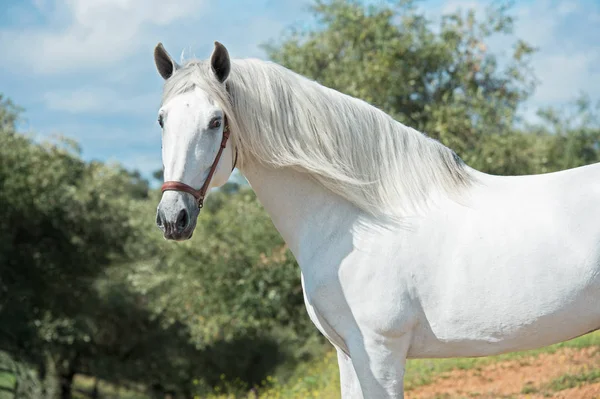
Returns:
<point x="282" y="119"/>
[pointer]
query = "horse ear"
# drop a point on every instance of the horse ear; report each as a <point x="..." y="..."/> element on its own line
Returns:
<point x="164" y="63"/>
<point x="220" y="63"/>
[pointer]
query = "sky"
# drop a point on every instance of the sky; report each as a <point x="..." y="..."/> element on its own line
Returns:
<point x="84" y="68"/>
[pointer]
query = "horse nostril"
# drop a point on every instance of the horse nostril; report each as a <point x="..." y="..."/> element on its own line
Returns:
<point x="182" y="220"/>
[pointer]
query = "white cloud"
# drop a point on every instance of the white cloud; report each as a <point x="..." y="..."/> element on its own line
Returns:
<point x="452" y="6"/>
<point x="146" y="164"/>
<point x="565" y="33"/>
<point x="40" y="4"/>
<point x="567" y="7"/>
<point x="564" y="76"/>
<point x="88" y="34"/>
<point x="100" y="101"/>
<point x="568" y="57"/>
<point x="109" y="43"/>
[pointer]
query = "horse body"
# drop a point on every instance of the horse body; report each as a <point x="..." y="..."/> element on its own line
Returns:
<point x="476" y="265"/>
<point x="513" y="265"/>
<point x="516" y="267"/>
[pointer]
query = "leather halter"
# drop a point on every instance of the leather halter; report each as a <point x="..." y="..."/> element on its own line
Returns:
<point x="200" y="194"/>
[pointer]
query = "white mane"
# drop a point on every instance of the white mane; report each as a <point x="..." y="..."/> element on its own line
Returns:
<point x="282" y="119"/>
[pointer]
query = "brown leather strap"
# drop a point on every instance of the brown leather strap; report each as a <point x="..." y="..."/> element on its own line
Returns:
<point x="179" y="186"/>
<point x="200" y="194"/>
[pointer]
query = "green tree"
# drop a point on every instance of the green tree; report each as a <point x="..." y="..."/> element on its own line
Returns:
<point x="62" y="223"/>
<point x="88" y="285"/>
<point x="235" y="286"/>
<point x="236" y="279"/>
<point x="442" y="80"/>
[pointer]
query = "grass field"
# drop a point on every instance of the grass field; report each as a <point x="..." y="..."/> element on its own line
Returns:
<point x="567" y="370"/>
<point x="320" y="379"/>
<point x="8" y="380"/>
<point x="7" y="385"/>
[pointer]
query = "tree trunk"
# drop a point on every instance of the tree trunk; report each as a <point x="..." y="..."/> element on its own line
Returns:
<point x="95" y="392"/>
<point x="49" y="381"/>
<point x="66" y="385"/>
<point x="157" y="391"/>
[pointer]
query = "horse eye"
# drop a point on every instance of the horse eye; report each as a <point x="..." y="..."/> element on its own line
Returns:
<point x="160" y="121"/>
<point x="215" y="123"/>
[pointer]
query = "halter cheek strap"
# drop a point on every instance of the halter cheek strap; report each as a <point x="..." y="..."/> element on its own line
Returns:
<point x="200" y="194"/>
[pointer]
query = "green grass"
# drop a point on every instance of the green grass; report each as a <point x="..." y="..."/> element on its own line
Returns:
<point x="86" y="383"/>
<point x="566" y="381"/>
<point x="7" y="380"/>
<point x="320" y="379"/>
<point x="422" y="371"/>
<point x="529" y="388"/>
<point x="569" y="381"/>
<point x="8" y="383"/>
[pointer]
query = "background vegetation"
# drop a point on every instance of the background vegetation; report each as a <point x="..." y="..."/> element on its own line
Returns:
<point x="91" y="293"/>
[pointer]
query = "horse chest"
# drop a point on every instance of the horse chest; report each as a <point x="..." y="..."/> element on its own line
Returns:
<point x="363" y="290"/>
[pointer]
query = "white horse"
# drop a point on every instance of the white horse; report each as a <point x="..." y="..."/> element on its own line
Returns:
<point x="405" y="251"/>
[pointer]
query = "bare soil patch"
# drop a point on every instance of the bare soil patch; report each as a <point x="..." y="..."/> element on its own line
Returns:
<point x="527" y="377"/>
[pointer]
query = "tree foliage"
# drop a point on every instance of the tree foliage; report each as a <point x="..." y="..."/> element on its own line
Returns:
<point x="444" y="79"/>
<point x="235" y="286"/>
<point x="88" y="285"/>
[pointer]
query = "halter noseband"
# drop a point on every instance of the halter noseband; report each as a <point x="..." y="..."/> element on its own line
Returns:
<point x="200" y="194"/>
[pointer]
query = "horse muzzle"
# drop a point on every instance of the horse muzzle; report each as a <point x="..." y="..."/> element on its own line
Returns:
<point x="176" y="216"/>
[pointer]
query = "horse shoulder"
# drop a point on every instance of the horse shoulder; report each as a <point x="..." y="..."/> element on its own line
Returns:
<point x="359" y="289"/>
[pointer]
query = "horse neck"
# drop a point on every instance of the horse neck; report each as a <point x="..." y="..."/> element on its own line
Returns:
<point x="305" y="213"/>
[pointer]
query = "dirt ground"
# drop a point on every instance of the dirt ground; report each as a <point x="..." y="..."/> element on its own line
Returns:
<point x="522" y="378"/>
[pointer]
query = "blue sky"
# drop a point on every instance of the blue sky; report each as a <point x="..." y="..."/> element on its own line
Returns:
<point x="84" y="68"/>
